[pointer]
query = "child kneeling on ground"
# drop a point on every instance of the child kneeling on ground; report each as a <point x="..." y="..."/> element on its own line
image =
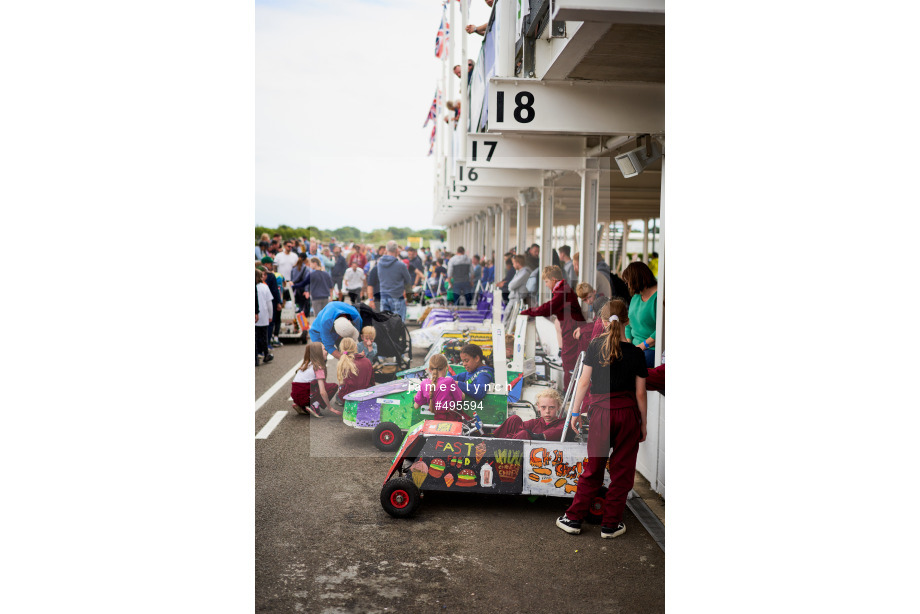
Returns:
<point x="310" y="391"/>
<point x="548" y="427"/>
<point x="355" y="372"/>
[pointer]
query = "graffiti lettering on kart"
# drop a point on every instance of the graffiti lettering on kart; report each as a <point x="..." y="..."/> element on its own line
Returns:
<point x="461" y="457"/>
<point x="544" y="465"/>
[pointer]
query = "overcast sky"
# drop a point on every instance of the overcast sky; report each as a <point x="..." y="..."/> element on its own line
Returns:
<point x="342" y="91"/>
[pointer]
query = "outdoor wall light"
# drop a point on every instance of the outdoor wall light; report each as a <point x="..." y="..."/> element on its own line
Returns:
<point x="636" y="160"/>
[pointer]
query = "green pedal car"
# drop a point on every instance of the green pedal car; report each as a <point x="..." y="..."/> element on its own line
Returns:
<point x="388" y="410"/>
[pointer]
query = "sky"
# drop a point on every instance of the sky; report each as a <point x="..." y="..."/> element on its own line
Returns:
<point x="341" y="92"/>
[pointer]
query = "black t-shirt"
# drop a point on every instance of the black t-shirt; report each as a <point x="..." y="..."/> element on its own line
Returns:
<point x="439" y="270"/>
<point x="620" y="374"/>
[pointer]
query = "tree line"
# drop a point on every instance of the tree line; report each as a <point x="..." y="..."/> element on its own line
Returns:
<point x="350" y="233"/>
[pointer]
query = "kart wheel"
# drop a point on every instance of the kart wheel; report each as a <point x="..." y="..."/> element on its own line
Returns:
<point x="596" y="510"/>
<point x="400" y="497"/>
<point x="387" y="437"/>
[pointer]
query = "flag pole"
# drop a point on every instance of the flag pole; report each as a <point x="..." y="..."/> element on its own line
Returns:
<point x="464" y="87"/>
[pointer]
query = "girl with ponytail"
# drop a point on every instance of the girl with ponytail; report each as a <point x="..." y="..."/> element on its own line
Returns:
<point x="612" y="387"/>
<point x="354" y="372"/>
<point x="439" y="392"/>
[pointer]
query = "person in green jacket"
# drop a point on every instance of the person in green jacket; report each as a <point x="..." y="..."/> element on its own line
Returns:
<point x="643" y="309"/>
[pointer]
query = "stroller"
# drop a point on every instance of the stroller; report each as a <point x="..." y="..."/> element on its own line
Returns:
<point x="392" y="341"/>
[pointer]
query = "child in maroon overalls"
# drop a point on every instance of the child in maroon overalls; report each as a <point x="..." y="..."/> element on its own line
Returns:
<point x="310" y="391"/>
<point x="548" y="427"/>
<point x="355" y="372"/>
<point x="615" y="372"/>
<point x="564" y="305"/>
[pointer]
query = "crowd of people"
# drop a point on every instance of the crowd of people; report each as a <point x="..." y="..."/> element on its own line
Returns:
<point x="312" y="274"/>
<point x="613" y="321"/>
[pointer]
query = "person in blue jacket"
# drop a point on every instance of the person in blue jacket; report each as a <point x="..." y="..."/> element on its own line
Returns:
<point x="478" y="375"/>
<point x="335" y="321"/>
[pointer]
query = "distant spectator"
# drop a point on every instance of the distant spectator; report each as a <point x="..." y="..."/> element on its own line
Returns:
<point x="437" y="280"/>
<point x="469" y="71"/>
<point x="326" y="259"/>
<point x="354" y="282"/>
<point x="455" y="107"/>
<point x="320" y="286"/>
<point x="459" y="269"/>
<point x="618" y="287"/>
<point x="286" y="260"/>
<point x="488" y="272"/>
<point x="394" y="276"/>
<point x="653" y="263"/>
<point x="300" y="278"/>
<point x="264" y="318"/>
<point x="601" y="281"/>
<point x="358" y="256"/>
<point x="338" y="267"/>
<point x="476" y="271"/>
<point x="262" y="248"/>
<point x="568" y="268"/>
<point x="272" y="282"/>
<point x="518" y="285"/>
<point x="373" y="287"/>
<point x="510" y="271"/>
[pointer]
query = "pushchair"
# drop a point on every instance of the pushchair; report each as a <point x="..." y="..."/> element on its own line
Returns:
<point x="435" y="291"/>
<point x="392" y="341"/>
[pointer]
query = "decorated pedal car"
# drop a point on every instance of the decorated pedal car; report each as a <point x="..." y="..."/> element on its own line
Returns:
<point x="436" y="456"/>
<point x="388" y="408"/>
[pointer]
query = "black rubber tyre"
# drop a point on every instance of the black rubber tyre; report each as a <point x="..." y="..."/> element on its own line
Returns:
<point x="596" y="510"/>
<point x="387" y="437"/>
<point x="400" y="497"/>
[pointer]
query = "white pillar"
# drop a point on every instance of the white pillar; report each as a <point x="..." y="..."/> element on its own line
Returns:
<point x="504" y="54"/>
<point x="506" y="224"/>
<point x="624" y="259"/>
<point x="659" y="322"/>
<point x="546" y="226"/>
<point x="648" y="223"/>
<point x="464" y="88"/>
<point x="496" y="231"/>
<point x="590" y="194"/>
<point x="522" y="223"/>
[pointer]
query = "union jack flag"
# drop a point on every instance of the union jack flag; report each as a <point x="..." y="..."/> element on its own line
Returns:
<point x="433" y="111"/>
<point x="433" y="130"/>
<point x="443" y="38"/>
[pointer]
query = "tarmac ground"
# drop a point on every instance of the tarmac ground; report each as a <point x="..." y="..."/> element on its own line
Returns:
<point x="324" y="544"/>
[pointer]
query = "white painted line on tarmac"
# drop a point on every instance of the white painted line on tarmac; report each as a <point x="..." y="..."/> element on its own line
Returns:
<point x="271" y="424"/>
<point x="262" y="400"/>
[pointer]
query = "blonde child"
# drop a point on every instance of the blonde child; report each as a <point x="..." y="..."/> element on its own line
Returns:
<point x="367" y="345"/>
<point x="548" y="427"/>
<point x="355" y="371"/>
<point x="440" y="392"/>
<point x="310" y="391"/>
